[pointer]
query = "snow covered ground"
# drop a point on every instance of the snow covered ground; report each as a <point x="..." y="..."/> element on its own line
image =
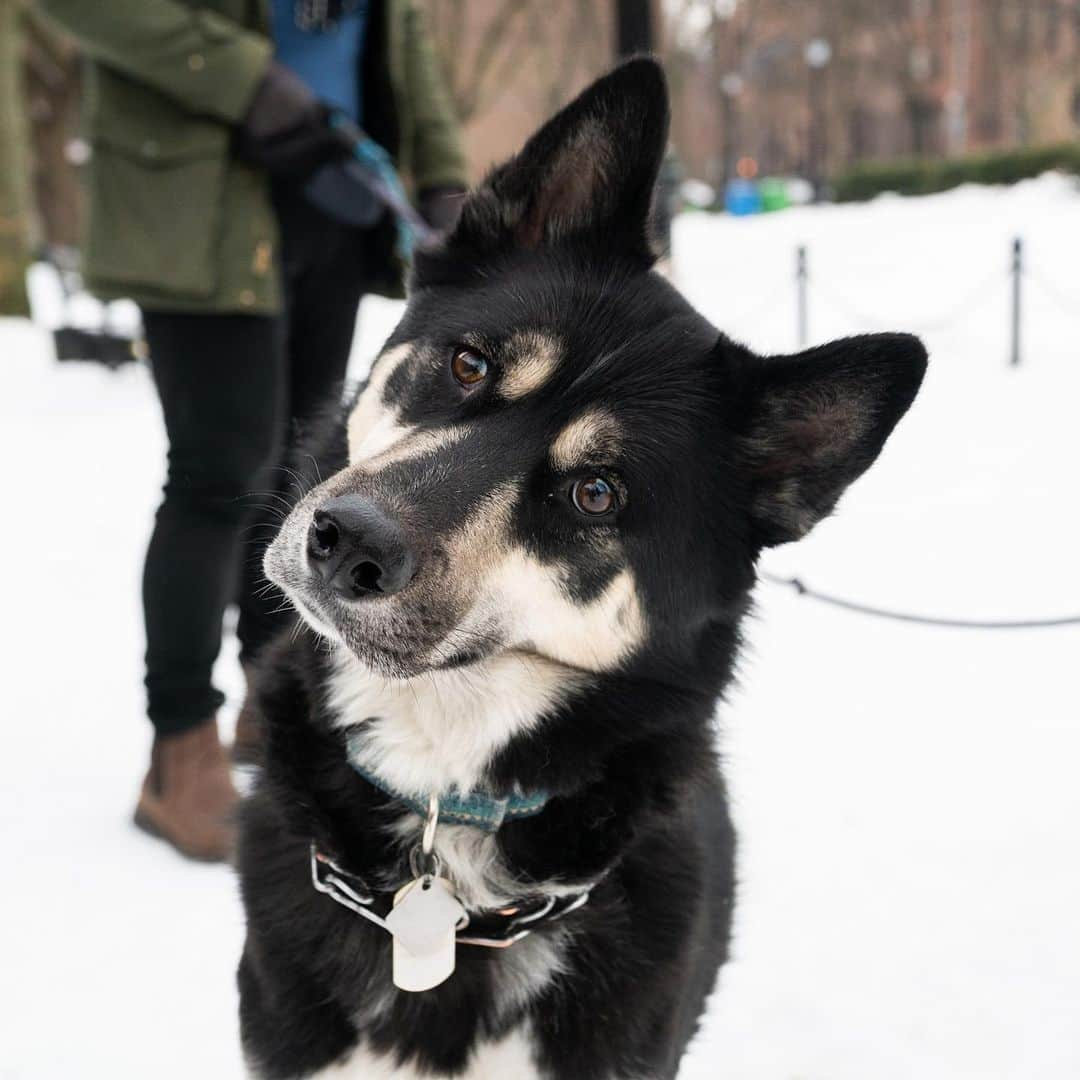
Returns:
<point x="906" y="797"/>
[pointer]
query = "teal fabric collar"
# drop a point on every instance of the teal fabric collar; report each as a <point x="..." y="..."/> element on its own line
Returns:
<point x="480" y="810"/>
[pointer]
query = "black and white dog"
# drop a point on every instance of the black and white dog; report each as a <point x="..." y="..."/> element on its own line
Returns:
<point x="525" y="580"/>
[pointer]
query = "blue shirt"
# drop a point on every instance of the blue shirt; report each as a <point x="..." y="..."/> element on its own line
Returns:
<point x="327" y="60"/>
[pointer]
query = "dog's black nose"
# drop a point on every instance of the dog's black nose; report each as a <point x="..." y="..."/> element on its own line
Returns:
<point x="358" y="549"/>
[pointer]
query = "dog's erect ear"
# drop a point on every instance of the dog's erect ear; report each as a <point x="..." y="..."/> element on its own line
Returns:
<point x="591" y="167"/>
<point x="812" y="423"/>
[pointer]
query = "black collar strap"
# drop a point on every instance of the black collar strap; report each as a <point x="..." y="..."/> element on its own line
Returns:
<point x="494" y="929"/>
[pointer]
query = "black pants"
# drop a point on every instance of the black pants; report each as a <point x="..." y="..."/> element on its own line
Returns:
<point x="235" y="391"/>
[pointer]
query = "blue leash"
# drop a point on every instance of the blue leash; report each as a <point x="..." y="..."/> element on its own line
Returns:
<point x="384" y="183"/>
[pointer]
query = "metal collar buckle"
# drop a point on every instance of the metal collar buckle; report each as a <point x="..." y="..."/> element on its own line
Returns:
<point x="497" y="929"/>
<point x="330" y="879"/>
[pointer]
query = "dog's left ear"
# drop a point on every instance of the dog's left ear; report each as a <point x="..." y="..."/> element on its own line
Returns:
<point x="811" y="423"/>
<point x="591" y="168"/>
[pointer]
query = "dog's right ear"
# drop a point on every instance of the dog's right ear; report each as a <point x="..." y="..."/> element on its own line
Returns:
<point x="589" y="169"/>
<point x="811" y="423"/>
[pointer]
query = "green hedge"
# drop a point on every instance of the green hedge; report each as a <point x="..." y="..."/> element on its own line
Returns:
<point x="923" y="176"/>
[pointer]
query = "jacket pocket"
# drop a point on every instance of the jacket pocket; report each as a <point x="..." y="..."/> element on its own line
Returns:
<point x="155" y="208"/>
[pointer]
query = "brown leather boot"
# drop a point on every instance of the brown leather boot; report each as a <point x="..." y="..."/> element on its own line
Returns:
<point x="247" y="743"/>
<point x="188" y="796"/>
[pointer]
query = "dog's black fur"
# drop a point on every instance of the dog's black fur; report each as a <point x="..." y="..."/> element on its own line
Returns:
<point x="726" y="453"/>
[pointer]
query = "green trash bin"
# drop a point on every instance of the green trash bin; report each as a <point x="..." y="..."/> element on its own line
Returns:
<point x="774" y="194"/>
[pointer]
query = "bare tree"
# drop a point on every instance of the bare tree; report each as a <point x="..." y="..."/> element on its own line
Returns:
<point x="482" y="47"/>
<point x="562" y="51"/>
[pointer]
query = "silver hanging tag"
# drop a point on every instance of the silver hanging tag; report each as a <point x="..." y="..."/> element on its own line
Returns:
<point x="426" y="917"/>
<point x="424" y="923"/>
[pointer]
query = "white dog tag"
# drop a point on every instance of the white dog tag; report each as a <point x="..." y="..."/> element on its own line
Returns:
<point x="424" y="923"/>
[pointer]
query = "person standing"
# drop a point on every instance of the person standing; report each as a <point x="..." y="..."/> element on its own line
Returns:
<point x="14" y="165"/>
<point x="212" y="156"/>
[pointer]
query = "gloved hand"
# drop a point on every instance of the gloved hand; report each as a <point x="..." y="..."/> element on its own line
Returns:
<point x="286" y="130"/>
<point x="440" y="207"/>
<point x="339" y="190"/>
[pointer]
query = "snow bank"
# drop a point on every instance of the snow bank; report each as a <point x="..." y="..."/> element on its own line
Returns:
<point x="905" y="796"/>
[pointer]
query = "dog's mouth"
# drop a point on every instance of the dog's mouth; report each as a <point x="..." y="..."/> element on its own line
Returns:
<point x="412" y="632"/>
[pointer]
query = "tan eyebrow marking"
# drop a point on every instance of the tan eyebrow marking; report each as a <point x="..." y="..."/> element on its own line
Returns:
<point x="589" y="438"/>
<point x="372" y="426"/>
<point x="532" y="357"/>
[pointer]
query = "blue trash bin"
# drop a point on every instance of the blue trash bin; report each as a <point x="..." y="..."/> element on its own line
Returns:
<point x="742" y="197"/>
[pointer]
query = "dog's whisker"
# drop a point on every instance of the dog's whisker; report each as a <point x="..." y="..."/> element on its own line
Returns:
<point x="279" y="512"/>
<point x="272" y="494"/>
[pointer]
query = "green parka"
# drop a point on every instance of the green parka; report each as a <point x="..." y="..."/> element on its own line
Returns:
<point x="174" y="219"/>
<point x="14" y="165"/>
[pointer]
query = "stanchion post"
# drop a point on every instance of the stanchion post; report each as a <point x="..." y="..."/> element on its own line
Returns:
<point x="1017" y="275"/>
<point x="801" y="329"/>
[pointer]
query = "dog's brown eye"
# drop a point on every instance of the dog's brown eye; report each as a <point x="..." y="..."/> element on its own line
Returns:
<point x="593" y="497"/>
<point x="468" y="367"/>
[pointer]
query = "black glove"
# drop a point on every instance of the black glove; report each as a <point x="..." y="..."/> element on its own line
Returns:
<point x="339" y="190"/>
<point x="440" y="207"/>
<point x="286" y="130"/>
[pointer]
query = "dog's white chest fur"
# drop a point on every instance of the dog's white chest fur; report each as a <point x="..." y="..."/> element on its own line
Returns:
<point x="509" y="1059"/>
<point x="441" y="729"/>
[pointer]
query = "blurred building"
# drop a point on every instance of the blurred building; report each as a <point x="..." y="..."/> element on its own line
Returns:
<point x="903" y="77"/>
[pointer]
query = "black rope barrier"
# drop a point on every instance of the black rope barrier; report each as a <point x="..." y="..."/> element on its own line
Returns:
<point x="808" y="287"/>
<point x="1068" y="306"/>
<point x="802" y="589"/>
<point x="759" y="309"/>
<point x="971" y="301"/>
